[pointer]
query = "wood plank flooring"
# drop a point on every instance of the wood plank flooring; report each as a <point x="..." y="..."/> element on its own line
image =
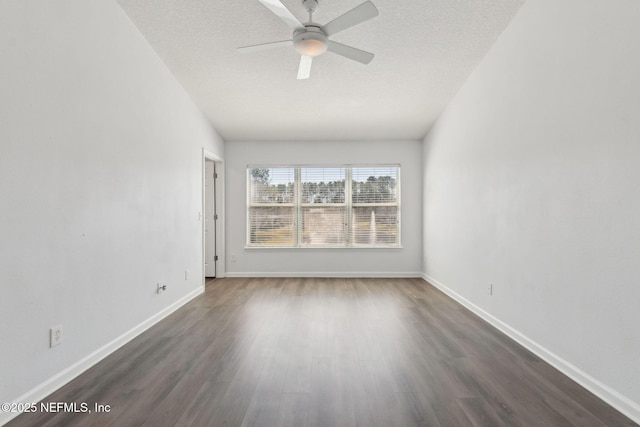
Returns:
<point x="325" y="352"/>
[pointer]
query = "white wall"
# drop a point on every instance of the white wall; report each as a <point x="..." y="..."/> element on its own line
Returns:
<point x="101" y="184"/>
<point x="323" y="262"/>
<point x="531" y="182"/>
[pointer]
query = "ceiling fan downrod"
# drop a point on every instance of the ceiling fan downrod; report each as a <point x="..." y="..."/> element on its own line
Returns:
<point x="310" y="6"/>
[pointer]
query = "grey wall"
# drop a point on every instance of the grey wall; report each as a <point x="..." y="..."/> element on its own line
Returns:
<point x="531" y="183"/>
<point x="323" y="262"/>
<point x="101" y="184"/>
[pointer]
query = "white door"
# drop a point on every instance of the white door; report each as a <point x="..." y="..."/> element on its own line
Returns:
<point x="209" y="219"/>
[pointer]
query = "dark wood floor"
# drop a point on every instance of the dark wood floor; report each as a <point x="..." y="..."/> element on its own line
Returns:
<point x="325" y="352"/>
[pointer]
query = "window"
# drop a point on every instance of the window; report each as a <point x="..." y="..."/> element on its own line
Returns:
<point x="272" y="210"/>
<point x="335" y="206"/>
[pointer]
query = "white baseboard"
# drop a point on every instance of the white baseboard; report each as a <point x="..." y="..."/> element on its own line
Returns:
<point x="60" y="379"/>
<point x="618" y="401"/>
<point x="338" y="274"/>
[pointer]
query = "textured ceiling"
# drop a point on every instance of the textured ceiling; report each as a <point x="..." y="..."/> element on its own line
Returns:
<point x="425" y="50"/>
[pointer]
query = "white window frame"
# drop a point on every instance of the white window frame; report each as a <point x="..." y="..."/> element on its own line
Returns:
<point x="348" y="205"/>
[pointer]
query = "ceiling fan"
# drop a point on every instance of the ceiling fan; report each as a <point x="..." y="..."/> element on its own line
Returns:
<point x="312" y="39"/>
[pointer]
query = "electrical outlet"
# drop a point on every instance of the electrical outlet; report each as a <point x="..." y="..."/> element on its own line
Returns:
<point x="233" y="257"/>
<point x="490" y="288"/>
<point x="55" y="335"/>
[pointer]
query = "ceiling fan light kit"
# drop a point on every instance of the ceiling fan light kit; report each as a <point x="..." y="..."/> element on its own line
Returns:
<point x="311" y="39"/>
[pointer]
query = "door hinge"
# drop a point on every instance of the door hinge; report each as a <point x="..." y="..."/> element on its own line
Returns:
<point x="215" y="258"/>
<point x="215" y="175"/>
<point x="215" y="217"/>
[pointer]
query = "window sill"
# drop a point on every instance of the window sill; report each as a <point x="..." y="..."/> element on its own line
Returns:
<point x="324" y="248"/>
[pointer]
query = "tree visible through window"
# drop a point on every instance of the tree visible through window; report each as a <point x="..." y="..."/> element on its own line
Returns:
<point x="336" y="206"/>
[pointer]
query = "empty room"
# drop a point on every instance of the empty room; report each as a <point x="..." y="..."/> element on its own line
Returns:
<point x="320" y="213"/>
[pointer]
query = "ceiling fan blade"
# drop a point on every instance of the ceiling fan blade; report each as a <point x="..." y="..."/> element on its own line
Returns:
<point x="282" y="12"/>
<point x="264" y="46"/>
<point x="365" y="11"/>
<point x="350" y="52"/>
<point x="304" y="70"/>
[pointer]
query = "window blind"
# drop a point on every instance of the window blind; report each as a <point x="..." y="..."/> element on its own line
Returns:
<point x="323" y="206"/>
<point x="375" y="206"/>
<point x="335" y="206"/>
<point x="271" y="213"/>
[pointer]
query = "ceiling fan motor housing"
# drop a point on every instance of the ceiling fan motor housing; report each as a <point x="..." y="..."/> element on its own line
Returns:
<point x="310" y="41"/>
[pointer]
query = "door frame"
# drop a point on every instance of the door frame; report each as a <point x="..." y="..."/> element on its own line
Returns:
<point x="219" y="204"/>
